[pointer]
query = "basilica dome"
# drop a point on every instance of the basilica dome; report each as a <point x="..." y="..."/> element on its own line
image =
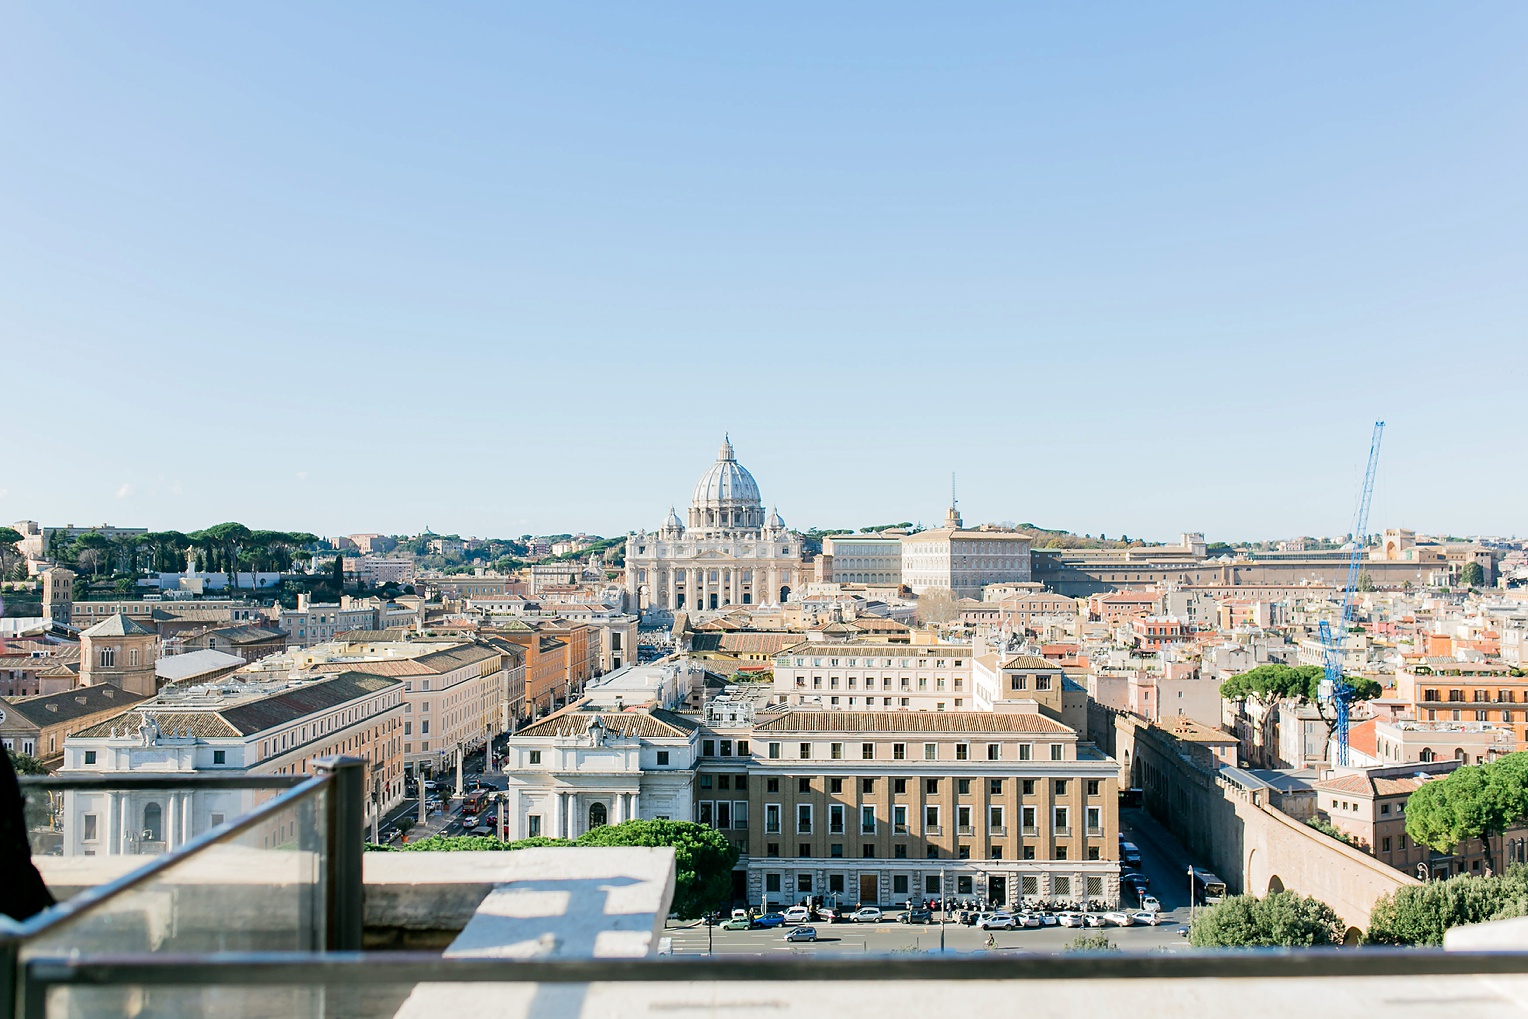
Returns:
<point x="726" y="496"/>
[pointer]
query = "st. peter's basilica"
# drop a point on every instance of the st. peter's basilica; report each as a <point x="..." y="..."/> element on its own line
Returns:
<point x="728" y="553"/>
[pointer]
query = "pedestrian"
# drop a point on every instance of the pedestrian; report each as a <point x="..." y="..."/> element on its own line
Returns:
<point x="22" y="893"/>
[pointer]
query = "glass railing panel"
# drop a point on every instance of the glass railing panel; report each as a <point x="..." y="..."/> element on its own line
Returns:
<point x="112" y="817"/>
<point x="257" y="887"/>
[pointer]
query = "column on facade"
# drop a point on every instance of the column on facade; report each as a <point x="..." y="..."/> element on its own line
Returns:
<point x="618" y="809"/>
<point x="703" y="586"/>
<point x="171" y="820"/>
<point x="673" y="589"/>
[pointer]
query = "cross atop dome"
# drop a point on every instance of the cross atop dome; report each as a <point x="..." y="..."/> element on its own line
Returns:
<point x="726" y="451"/>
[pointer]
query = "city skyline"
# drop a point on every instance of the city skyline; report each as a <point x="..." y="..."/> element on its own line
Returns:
<point x="1121" y="270"/>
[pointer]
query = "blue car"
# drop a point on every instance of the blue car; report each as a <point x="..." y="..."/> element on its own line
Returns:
<point x="768" y="920"/>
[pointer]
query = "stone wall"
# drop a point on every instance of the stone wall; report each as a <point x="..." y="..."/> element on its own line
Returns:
<point x="1241" y="827"/>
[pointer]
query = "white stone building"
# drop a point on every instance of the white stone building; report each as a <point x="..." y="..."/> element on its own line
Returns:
<point x="261" y="725"/>
<point x="873" y="559"/>
<point x="964" y="561"/>
<point x="880" y="676"/>
<point x="580" y="769"/>
<point x="728" y="553"/>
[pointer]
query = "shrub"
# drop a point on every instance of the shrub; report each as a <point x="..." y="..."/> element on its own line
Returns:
<point x="1281" y="920"/>
<point x="1419" y="915"/>
<point x="1091" y="943"/>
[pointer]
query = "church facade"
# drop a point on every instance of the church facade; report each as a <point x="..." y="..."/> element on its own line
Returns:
<point x="727" y="552"/>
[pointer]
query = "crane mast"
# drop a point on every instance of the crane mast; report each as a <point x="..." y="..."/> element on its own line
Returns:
<point x="1335" y="687"/>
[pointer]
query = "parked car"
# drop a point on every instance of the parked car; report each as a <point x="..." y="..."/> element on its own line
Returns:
<point x="797" y="914"/>
<point x="1030" y="920"/>
<point x="1119" y="919"/>
<point x="996" y="922"/>
<point x="1150" y="903"/>
<point x="737" y="923"/>
<point x="1046" y="919"/>
<point x="1135" y="878"/>
<point x="801" y="934"/>
<point x="1146" y="918"/>
<point x="1093" y="919"/>
<point x="1069" y="919"/>
<point x="866" y="914"/>
<point x="830" y="914"/>
<point x="769" y="920"/>
<point x="919" y="915"/>
<point x="1129" y="854"/>
<point x="967" y="917"/>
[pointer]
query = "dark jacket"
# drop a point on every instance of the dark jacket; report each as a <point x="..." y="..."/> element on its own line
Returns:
<point x="22" y="893"/>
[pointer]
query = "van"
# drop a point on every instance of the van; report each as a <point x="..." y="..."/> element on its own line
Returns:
<point x="1129" y="854"/>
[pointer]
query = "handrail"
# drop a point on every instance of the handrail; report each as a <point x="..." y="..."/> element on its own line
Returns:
<point x="353" y="968"/>
<point x="164" y="781"/>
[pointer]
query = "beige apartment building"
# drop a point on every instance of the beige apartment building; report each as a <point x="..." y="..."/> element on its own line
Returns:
<point x="877" y="807"/>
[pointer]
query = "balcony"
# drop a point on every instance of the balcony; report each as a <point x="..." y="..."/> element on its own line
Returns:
<point x="232" y="923"/>
<point x="966" y="829"/>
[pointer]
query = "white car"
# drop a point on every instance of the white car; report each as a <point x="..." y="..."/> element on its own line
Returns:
<point x="1146" y="918"/>
<point x="1119" y="919"/>
<point x="1046" y="919"/>
<point x="797" y="915"/>
<point x="996" y="922"/>
<point x="1150" y="904"/>
<point x="865" y="914"/>
<point x="1069" y="919"/>
<point x="1093" y="919"/>
<point x="1027" y="920"/>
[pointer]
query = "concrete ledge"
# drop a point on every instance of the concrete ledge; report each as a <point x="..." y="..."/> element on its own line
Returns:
<point x="413" y="900"/>
<point x="1496" y="936"/>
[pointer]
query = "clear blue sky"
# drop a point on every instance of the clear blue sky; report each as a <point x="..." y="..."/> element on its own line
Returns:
<point x="501" y="268"/>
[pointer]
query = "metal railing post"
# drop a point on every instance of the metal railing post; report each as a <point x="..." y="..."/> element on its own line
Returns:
<point x="344" y="846"/>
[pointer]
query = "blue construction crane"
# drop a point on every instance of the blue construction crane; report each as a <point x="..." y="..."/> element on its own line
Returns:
<point x="1335" y="687"/>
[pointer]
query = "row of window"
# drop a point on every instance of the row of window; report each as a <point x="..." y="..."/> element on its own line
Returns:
<point x="1476" y="696"/>
<point x="1061" y="819"/>
<point x="899" y="785"/>
<point x="1029" y="884"/>
<point x="886" y="663"/>
<point x="867" y="751"/>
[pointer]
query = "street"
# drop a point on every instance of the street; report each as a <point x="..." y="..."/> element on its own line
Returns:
<point x="890" y="936"/>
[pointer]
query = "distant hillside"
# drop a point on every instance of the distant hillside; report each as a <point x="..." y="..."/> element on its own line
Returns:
<point x="1047" y="538"/>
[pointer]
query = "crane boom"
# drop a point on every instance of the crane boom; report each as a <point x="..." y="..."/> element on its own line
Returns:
<point x="1335" y="686"/>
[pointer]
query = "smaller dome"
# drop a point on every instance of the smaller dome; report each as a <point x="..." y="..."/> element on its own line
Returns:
<point x="673" y="522"/>
<point x="776" y="521"/>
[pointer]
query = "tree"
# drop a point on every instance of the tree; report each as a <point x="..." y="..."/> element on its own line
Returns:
<point x="10" y="555"/>
<point x="339" y="572"/>
<point x="1281" y="920"/>
<point x="1365" y="581"/>
<point x="26" y="764"/>
<point x="703" y="858"/>
<point x="1271" y="683"/>
<point x="1473" y="575"/>
<point x="1326" y="827"/>
<point x="1419" y="914"/>
<point x="1476" y="801"/>
<point x="936" y="605"/>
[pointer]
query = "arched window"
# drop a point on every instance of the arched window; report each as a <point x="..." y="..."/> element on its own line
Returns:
<point x="597" y="815"/>
<point x="108" y="657"/>
<point x="132" y="656"/>
<point x="1427" y="755"/>
<point x="153" y="818"/>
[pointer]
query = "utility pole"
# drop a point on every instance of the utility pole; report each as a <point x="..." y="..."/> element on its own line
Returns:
<point x="1191" y="896"/>
<point x="944" y="907"/>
